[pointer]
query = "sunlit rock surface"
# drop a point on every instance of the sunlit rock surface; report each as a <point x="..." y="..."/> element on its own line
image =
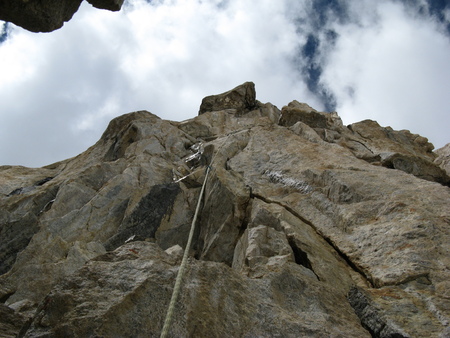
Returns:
<point x="443" y="159"/>
<point x="307" y="228"/>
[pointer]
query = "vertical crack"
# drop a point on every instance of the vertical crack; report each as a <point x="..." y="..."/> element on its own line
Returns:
<point x="300" y="256"/>
<point x="371" y="318"/>
<point x="341" y="254"/>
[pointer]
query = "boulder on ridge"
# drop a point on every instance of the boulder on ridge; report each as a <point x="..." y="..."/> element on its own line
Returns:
<point x="242" y="99"/>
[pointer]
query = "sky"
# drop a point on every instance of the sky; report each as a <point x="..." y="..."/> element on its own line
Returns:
<point x="385" y="60"/>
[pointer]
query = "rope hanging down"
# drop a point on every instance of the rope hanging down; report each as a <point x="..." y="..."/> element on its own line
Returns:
<point x="176" y="289"/>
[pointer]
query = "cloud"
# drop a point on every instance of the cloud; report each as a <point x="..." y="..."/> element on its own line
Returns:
<point x="381" y="60"/>
<point x="163" y="57"/>
<point x="49" y="84"/>
<point x="395" y="71"/>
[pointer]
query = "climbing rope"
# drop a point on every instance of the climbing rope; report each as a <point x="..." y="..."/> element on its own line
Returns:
<point x="176" y="289"/>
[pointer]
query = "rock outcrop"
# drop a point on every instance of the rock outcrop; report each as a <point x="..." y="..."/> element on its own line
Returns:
<point x="47" y="15"/>
<point x="443" y="159"/>
<point x="306" y="229"/>
<point x="368" y="141"/>
<point x="241" y="98"/>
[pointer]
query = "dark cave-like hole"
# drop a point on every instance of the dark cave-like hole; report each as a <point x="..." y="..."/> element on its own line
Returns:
<point x="43" y="181"/>
<point x="300" y="256"/>
<point x="6" y="296"/>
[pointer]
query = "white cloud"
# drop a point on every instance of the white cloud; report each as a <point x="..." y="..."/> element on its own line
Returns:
<point x="164" y="58"/>
<point x="395" y="72"/>
<point x="59" y="90"/>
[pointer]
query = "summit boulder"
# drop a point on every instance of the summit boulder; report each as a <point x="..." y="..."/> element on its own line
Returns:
<point x="242" y="99"/>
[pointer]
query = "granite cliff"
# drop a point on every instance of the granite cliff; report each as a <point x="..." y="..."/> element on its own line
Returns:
<point x="308" y="228"/>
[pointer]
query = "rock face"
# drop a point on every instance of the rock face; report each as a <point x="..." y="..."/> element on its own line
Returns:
<point x="308" y="228"/>
<point x="443" y="159"/>
<point x="368" y="141"/>
<point x="112" y="5"/>
<point x="47" y="15"/>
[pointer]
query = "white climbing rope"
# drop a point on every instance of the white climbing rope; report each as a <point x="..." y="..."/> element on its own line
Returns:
<point x="176" y="289"/>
